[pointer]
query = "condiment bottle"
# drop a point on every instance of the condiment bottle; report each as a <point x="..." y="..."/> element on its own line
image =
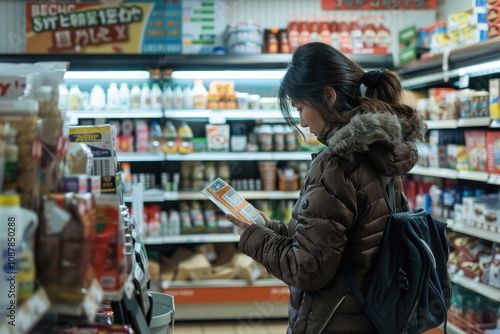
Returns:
<point x="314" y="29"/>
<point x="324" y="30"/>
<point x="293" y="34"/>
<point x="304" y="33"/>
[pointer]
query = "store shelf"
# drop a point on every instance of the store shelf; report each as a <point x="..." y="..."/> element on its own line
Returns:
<point x="459" y="123"/>
<point x="226" y="283"/>
<point x="239" y="156"/>
<point x="129" y="62"/>
<point x="451" y="173"/>
<point x="472" y="122"/>
<point x="156" y="195"/>
<point x="138" y="157"/>
<point x="191" y="239"/>
<point x="444" y="124"/>
<point x="475" y="232"/>
<point x="476" y="286"/>
<point x="136" y="113"/>
<point x="250" y="195"/>
<point x="229" y="114"/>
<point x="434" y="172"/>
<point x="473" y="175"/>
<point x="474" y="60"/>
<point x="228" y="299"/>
<point x="148" y="196"/>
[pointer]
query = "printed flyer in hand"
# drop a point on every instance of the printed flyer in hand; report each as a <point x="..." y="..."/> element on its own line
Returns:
<point x="229" y="201"/>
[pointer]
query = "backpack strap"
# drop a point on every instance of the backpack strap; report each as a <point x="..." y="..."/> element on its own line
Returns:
<point x="389" y="194"/>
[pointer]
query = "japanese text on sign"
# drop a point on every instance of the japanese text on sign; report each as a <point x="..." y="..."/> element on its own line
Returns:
<point x="77" y="29"/>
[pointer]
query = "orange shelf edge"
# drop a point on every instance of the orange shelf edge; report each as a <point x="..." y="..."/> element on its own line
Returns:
<point x="200" y="295"/>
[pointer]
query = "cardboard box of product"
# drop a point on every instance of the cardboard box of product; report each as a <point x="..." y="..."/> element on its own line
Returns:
<point x="247" y="268"/>
<point x="195" y="267"/>
<point x="466" y="18"/>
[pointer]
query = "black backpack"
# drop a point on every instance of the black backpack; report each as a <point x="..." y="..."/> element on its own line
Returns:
<point x="410" y="290"/>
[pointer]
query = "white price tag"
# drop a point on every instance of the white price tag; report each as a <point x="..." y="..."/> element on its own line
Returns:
<point x="463" y="81"/>
<point x="217" y="118"/>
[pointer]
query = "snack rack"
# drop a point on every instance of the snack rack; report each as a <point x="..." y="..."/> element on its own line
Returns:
<point x="64" y="211"/>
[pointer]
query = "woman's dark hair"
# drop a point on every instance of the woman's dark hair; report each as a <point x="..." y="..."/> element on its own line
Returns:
<point x="317" y="66"/>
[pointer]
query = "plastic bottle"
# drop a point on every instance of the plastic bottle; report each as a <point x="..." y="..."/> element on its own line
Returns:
<point x="186" y="223"/>
<point x="334" y="35"/>
<point x="356" y="35"/>
<point x="178" y="98"/>
<point x="126" y="177"/>
<point x="63" y="97"/>
<point x="197" y="218"/>
<point x="168" y="97"/>
<point x="145" y="97"/>
<point x="185" y="138"/>
<point x="17" y="228"/>
<point x="314" y="29"/>
<point x="239" y="137"/>
<point x="188" y="97"/>
<point x="383" y="39"/>
<point x="304" y="33"/>
<point x="156" y="97"/>
<point x="272" y="41"/>
<point x="324" y="30"/>
<point x="155" y="137"/>
<point x="284" y="43"/>
<point x="345" y="36"/>
<point x="200" y="95"/>
<point x="113" y="97"/>
<point x="164" y="226"/>
<point x="135" y="97"/>
<point x="97" y="98"/>
<point x="293" y="33"/>
<point x="125" y="98"/>
<point x="174" y="222"/>
<point x="75" y="98"/>
<point x="11" y="161"/>
<point x="169" y="138"/>
<point x="369" y="33"/>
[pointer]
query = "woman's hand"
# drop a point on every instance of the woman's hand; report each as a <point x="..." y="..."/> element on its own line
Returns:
<point x="242" y="225"/>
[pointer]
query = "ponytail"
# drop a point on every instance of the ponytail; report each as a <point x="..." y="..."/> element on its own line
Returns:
<point x="384" y="92"/>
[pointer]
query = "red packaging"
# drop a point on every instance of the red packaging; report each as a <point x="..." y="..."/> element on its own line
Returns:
<point x="493" y="152"/>
<point x="475" y="141"/>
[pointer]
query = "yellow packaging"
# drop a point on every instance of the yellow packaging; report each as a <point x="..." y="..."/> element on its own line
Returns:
<point x="494" y="98"/>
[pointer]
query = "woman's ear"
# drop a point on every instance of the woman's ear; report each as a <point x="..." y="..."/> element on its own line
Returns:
<point x="331" y="95"/>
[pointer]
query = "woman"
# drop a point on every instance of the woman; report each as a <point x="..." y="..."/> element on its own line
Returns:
<point x="340" y="216"/>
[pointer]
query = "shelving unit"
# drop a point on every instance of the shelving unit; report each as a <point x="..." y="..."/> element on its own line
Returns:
<point x="116" y="114"/>
<point x="157" y="195"/>
<point x="478" y="61"/>
<point x="229" y="299"/>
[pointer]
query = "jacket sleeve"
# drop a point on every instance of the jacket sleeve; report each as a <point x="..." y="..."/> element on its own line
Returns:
<point x="309" y="257"/>
<point x="279" y="227"/>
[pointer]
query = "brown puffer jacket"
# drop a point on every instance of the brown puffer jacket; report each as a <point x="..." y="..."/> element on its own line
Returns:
<point x="339" y="217"/>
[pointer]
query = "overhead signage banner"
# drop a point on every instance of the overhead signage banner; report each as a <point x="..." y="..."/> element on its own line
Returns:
<point x="126" y="27"/>
<point x="379" y="4"/>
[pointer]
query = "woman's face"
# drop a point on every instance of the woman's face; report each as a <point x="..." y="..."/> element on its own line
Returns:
<point x="309" y="117"/>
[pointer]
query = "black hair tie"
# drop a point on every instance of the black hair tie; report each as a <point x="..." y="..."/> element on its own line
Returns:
<point x="370" y="78"/>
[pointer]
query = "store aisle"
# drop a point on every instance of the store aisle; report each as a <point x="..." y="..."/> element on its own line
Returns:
<point x="231" y="327"/>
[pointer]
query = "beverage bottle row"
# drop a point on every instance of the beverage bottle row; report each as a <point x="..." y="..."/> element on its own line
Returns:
<point x="145" y="96"/>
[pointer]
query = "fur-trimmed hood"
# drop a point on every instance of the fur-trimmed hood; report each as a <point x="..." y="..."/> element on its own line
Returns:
<point x="380" y="135"/>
